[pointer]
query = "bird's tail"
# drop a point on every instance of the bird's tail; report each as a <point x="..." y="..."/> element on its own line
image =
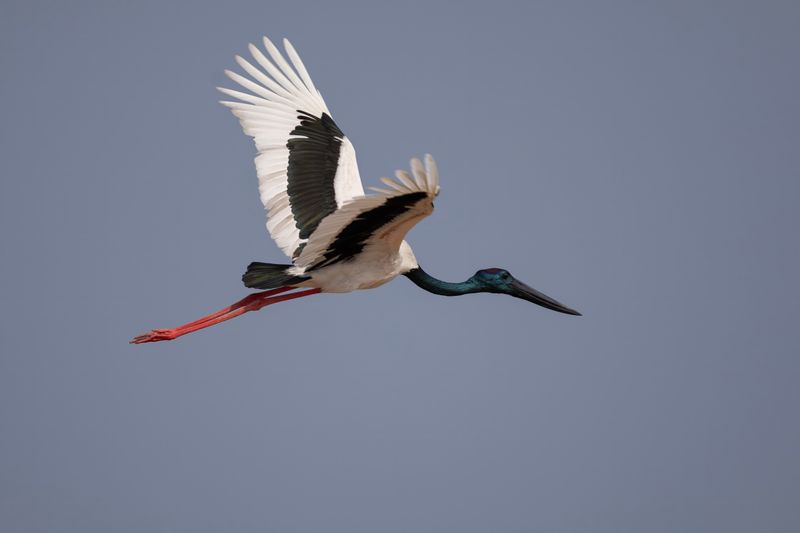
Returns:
<point x="269" y="276"/>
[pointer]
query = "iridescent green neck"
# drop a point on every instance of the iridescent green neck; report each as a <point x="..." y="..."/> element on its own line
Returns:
<point x="444" y="288"/>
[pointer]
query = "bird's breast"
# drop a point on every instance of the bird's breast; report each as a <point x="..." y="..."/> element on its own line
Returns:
<point x="367" y="270"/>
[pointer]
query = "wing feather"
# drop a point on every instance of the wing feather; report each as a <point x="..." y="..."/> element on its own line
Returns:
<point x="306" y="167"/>
<point x="298" y="64"/>
<point x="378" y="222"/>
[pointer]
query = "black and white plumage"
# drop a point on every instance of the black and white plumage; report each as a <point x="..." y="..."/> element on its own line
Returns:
<point x="338" y="238"/>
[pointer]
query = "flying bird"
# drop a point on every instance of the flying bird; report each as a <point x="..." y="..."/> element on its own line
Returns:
<point x="337" y="238"/>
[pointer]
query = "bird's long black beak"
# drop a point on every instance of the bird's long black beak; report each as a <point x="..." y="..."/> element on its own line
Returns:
<point x="520" y="290"/>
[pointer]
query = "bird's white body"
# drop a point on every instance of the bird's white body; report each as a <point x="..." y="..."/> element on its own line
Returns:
<point x="370" y="270"/>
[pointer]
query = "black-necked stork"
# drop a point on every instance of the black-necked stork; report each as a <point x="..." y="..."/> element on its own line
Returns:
<point x="338" y="238"/>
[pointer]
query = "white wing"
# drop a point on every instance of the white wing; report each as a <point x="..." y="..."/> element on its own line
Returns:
<point x="377" y="223"/>
<point x="306" y="166"/>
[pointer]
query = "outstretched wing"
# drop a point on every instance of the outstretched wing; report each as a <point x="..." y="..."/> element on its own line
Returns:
<point x="377" y="223"/>
<point x="306" y="166"/>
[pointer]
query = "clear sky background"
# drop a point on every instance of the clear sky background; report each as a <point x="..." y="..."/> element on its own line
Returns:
<point x="639" y="161"/>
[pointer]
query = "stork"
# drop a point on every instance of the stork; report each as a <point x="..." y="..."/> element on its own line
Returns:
<point x="338" y="239"/>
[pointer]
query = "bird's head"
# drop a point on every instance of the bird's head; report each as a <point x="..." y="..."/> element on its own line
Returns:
<point x="500" y="281"/>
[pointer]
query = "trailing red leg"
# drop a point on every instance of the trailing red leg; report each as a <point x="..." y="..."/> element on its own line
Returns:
<point x="253" y="302"/>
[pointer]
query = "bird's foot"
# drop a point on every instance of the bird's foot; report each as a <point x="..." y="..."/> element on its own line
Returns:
<point x="156" y="335"/>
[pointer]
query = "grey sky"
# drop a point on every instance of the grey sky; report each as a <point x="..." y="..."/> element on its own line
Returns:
<point x="639" y="161"/>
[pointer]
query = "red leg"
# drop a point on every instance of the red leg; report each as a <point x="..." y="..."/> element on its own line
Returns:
<point x="250" y="298"/>
<point x="253" y="302"/>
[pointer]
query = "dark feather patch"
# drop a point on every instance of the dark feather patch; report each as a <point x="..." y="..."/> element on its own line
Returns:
<point x="313" y="160"/>
<point x="269" y="276"/>
<point x="351" y="239"/>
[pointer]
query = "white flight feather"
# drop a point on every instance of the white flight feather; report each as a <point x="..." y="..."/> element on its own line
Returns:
<point x="298" y="64"/>
<point x="279" y="60"/>
<point x="405" y="179"/>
